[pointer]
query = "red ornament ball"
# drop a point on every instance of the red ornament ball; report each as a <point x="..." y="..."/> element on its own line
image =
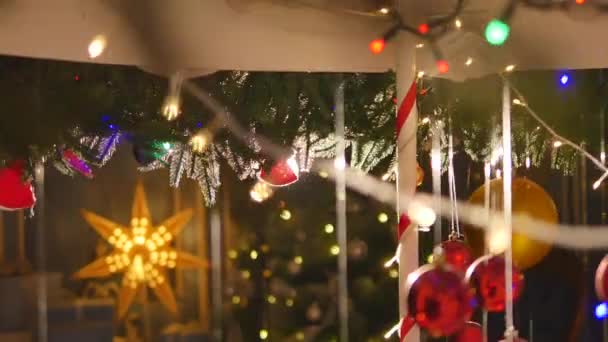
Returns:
<point x="282" y="173"/>
<point x="471" y="332"/>
<point x="15" y="192"/>
<point x="457" y="254"/>
<point x="486" y="276"/>
<point x="438" y="300"/>
<point x="77" y="164"/>
<point x="601" y="280"/>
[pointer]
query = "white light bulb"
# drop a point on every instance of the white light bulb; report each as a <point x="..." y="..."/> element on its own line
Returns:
<point x="340" y="163"/>
<point x="510" y="67"/>
<point x="97" y="46"/>
<point x="171" y="108"/>
<point x="199" y="142"/>
<point x="423" y="215"/>
<point x="260" y="192"/>
<point x="497" y="238"/>
<point x="458" y="23"/>
<point x="557" y="144"/>
<point x="469" y="61"/>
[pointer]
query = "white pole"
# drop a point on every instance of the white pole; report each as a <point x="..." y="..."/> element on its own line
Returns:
<point x="406" y="166"/>
<point x="341" y="228"/>
<point x="507" y="165"/>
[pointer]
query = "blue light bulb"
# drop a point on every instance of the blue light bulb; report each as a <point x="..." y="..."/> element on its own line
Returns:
<point x="601" y="310"/>
<point x="564" y="79"/>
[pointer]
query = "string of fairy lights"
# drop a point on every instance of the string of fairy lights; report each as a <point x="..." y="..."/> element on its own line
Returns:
<point x="496" y="32"/>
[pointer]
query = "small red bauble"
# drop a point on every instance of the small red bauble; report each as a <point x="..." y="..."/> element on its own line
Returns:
<point x="601" y="280"/>
<point x="438" y="300"/>
<point x="471" y="332"/>
<point x="487" y="276"/>
<point x="15" y="193"/>
<point x="76" y="163"/>
<point x="282" y="173"/>
<point x="457" y="254"/>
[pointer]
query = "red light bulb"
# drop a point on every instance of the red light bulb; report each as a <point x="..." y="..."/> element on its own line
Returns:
<point x="580" y="2"/>
<point x="443" y="66"/>
<point x="377" y="46"/>
<point x="423" y="28"/>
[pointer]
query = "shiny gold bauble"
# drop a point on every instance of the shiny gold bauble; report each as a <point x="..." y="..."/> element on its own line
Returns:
<point x="527" y="198"/>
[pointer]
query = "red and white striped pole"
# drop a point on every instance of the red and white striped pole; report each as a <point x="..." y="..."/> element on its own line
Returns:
<point x="407" y="119"/>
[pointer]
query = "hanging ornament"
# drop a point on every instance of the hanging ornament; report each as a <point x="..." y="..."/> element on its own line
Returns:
<point x="15" y="192"/>
<point x="282" y="173"/>
<point x="486" y="276"/>
<point x="102" y="147"/>
<point x="438" y="300"/>
<point x="77" y="164"/>
<point x="142" y="252"/>
<point x="456" y="254"/>
<point x="419" y="175"/>
<point x="601" y="280"/>
<point x="471" y="332"/>
<point x="529" y="199"/>
<point x="146" y="153"/>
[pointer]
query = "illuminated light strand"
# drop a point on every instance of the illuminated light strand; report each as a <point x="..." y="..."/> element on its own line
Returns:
<point x="559" y="138"/>
<point x="392" y="330"/>
<point x="568" y="236"/>
<point x="425" y="31"/>
<point x="394" y="259"/>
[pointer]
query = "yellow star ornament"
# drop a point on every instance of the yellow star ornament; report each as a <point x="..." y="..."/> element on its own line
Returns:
<point x="143" y="253"/>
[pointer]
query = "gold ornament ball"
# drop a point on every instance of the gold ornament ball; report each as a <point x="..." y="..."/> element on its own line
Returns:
<point x="527" y="198"/>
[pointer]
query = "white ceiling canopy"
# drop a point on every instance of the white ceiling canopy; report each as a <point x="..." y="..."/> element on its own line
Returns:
<point x="292" y="35"/>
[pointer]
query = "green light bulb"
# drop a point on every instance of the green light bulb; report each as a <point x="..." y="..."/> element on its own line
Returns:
<point x="497" y="32"/>
<point x="167" y="146"/>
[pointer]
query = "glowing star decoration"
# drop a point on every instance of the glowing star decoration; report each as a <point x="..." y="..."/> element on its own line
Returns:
<point x="142" y="253"/>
